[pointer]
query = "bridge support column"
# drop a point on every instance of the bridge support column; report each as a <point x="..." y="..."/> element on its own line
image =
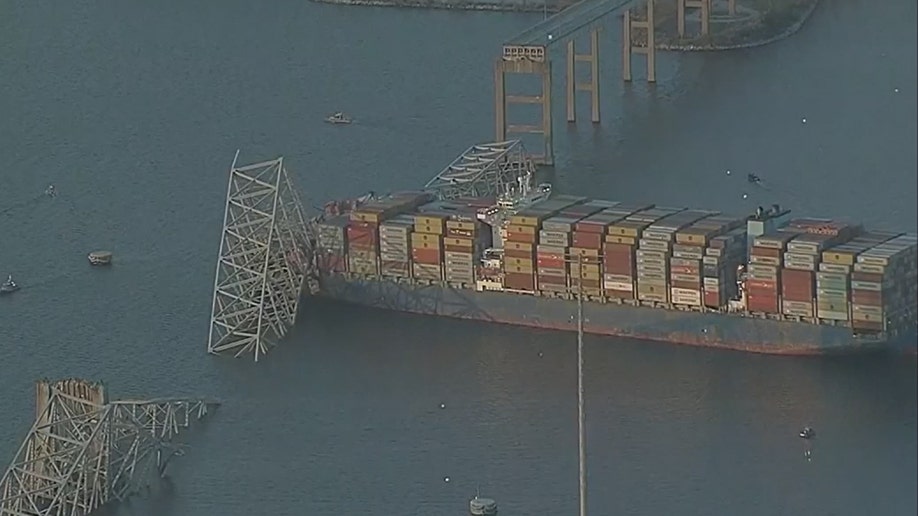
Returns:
<point x="648" y="49"/>
<point x="529" y="60"/>
<point x="592" y="86"/>
<point x="705" y="7"/>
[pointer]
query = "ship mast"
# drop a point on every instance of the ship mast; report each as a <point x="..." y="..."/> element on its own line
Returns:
<point x="580" y="418"/>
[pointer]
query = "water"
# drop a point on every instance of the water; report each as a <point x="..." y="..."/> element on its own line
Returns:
<point x="134" y="113"/>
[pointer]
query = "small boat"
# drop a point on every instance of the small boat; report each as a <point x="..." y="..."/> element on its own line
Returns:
<point x="9" y="286"/>
<point x="100" y="258"/>
<point x="338" y="118"/>
<point x="807" y="433"/>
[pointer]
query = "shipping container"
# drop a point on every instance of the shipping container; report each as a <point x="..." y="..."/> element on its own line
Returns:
<point x="519" y="281"/>
<point x="774" y="240"/>
<point x="597" y="223"/>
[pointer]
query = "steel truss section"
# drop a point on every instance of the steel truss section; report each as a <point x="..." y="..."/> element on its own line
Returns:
<point x="263" y="263"/>
<point x="83" y="452"/>
<point x="482" y="170"/>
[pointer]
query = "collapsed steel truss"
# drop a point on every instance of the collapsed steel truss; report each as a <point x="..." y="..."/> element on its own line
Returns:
<point x="83" y="451"/>
<point x="264" y="261"/>
<point x="482" y="170"/>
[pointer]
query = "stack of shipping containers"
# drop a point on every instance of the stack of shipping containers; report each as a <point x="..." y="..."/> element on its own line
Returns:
<point x="363" y="229"/>
<point x="395" y="246"/>
<point x="652" y="262"/>
<point x="619" y="259"/>
<point x="427" y="246"/>
<point x="660" y="237"/>
<point x="551" y="253"/>
<point x="798" y="277"/>
<point x="585" y="253"/>
<point x="463" y="244"/>
<point x="332" y="242"/>
<point x="840" y="259"/>
<point x="555" y="239"/>
<point x="805" y="252"/>
<point x="523" y="238"/>
<point x="519" y="250"/>
<point x="363" y="240"/>
<point x="883" y="285"/>
<point x="763" y="283"/>
<point x="687" y="264"/>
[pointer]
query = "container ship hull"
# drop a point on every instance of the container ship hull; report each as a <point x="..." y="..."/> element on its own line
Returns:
<point x="705" y="329"/>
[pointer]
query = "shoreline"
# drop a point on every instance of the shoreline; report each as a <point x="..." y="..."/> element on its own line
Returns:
<point x="461" y="5"/>
<point x="788" y="31"/>
<point x="556" y="6"/>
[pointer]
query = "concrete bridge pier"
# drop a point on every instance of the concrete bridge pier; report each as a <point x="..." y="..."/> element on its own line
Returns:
<point x="593" y="86"/>
<point x="530" y="60"/>
<point x="648" y="48"/>
<point x="705" y="7"/>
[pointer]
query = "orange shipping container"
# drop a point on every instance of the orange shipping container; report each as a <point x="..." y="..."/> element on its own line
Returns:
<point x="426" y="256"/>
<point x="521" y="237"/>
<point x="518" y="281"/>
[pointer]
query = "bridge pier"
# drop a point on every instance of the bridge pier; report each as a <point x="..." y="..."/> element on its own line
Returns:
<point x="593" y="86"/>
<point x="528" y="60"/>
<point x="648" y="49"/>
<point x="705" y="7"/>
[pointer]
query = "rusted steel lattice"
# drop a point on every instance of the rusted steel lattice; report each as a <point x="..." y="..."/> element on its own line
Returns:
<point x="83" y="451"/>
<point x="264" y="261"/>
<point x="482" y="170"/>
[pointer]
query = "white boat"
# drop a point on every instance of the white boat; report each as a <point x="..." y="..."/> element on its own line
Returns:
<point x="9" y="286"/>
<point x="338" y="118"/>
<point x="100" y="258"/>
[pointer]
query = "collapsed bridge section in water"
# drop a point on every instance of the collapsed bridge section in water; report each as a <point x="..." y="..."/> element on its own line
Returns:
<point x="84" y="451"/>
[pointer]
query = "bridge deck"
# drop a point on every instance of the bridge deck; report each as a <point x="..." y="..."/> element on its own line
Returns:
<point x="582" y="15"/>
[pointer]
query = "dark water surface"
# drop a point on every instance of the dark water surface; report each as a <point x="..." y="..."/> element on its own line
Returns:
<point x="133" y="111"/>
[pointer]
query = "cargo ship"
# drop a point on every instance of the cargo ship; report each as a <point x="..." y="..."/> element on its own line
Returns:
<point x="763" y="283"/>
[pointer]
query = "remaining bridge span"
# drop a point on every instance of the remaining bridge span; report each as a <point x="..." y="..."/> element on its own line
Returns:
<point x="84" y="451"/>
<point x="527" y="53"/>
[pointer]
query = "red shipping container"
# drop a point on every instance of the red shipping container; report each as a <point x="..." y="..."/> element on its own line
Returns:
<point x="362" y="234"/>
<point x="521" y="237"/>
<point x="866" y="297"/>
<point x="591" y="226"/>
<point x="587" y="240"/>
<point x="797" y="295"/>
<point x="549" y="263"/>
<point x="752" y="284"/>
<point x="518" y="253"/>
<point x="714" y="299"/>
<point x="867" y="276"/>
<point x="426" y="256"/>
<point x="550" y="256"/>
<point x="519" y="281"/>
<point x="620" y="294"/>
<point x="625" y="249"/>
<point x="552" y="280"/>
<point x="766" y="304"/>
<point x="619" y="270"/>
<point x="765" y="251"/>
